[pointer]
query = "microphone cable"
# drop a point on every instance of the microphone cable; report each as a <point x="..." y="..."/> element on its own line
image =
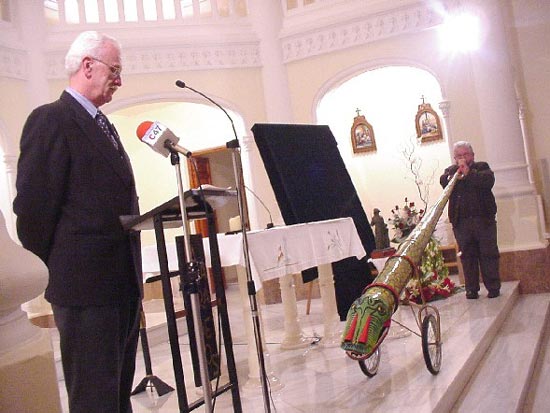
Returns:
<point x="209" y="215"/>
<point x="270" y="223"/>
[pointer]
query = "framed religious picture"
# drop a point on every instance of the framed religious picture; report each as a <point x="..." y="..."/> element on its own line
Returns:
<point x="428" y="126"/>
<point x="362" y="135"/>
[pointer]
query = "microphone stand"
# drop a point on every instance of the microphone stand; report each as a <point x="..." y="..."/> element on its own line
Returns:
<point x="238" y="171"/>
<point x="191" y="285"/>
<point x="150" y="380"/>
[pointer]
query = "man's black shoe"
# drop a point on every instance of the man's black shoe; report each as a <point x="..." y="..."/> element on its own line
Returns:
<point x="472" y="295"/>
<point x="493" y="293"/>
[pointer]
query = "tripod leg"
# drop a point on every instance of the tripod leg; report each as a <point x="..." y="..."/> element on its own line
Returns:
<point x="152" y="381"/>
<point x="149" y="380"/>
<point x="141" y="387"/>
<point x="161" y="387"/>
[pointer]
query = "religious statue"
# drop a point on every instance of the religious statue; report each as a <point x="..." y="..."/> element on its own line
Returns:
<point x="380" y="230"/>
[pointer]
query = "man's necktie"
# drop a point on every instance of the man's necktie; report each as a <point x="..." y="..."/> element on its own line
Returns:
<point x="103" y="123"/>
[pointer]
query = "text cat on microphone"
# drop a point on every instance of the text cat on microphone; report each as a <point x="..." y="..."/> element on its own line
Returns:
<point x="160" y="138"/>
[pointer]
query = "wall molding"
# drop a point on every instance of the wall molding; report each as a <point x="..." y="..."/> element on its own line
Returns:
<point x="13" y="63"/>
<point x="358" y="31"/>
<point x="301" y="37"/>
<point x="174" y="58"/>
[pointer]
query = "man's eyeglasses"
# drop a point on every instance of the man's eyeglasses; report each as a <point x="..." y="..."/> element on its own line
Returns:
<point x="463" y="155"/>
<point x="115" y="71"/>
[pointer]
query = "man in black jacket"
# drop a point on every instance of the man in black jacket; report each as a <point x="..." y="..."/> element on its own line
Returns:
<point x="74" y="181"/>
<point x="472" y="210"/>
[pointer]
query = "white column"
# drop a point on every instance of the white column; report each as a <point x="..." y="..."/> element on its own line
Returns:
<point x="27" y="367"/>
<point x="250" y="159"/>
<point x="293" y="336"/>
<point x="331" y="334"/>
<point x="519" y="211"/>
<point x="525" y="135"/>
<point x="256" y="179"/>
<point x="445" y="107"/>
<point x="254" y="382"/>
<point x="493" y="75"/>
<point x="10" y="165"/>
<point x="267" y="18"/>
<point x="101" y="12"/>
<point x="33" y="34"/>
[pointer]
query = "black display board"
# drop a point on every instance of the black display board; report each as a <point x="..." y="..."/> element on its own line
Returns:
<point x="311" y="183"/>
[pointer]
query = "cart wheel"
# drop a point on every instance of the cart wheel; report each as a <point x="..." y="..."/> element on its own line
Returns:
<point x="431" y="344"/>
<point x="370" y="366"/>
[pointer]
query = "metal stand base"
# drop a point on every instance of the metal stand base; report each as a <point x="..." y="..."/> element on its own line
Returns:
<point x="154" y="383"/>
<point x="149" y="380"/>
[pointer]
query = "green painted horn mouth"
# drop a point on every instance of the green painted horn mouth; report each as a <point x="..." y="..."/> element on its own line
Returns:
<point x="367" y="324"/>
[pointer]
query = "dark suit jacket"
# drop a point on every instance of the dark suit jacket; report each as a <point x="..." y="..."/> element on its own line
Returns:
<point x="471" y="196"/>
<point x="72" y="187"/>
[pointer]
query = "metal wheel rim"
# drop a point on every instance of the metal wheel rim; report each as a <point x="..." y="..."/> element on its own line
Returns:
<point x="370" y="365"/>
<point x="433" y="343"/>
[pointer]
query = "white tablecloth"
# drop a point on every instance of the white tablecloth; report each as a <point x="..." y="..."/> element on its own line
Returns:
<point x="278" y="251"/>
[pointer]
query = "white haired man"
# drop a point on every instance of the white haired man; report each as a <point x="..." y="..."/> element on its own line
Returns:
<point x="472" y="210"/>
<point x="74" y="181"/>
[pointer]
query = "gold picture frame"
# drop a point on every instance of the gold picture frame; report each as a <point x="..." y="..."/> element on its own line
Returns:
<point x="428" y="126"/>
<point x="362" y="135"/>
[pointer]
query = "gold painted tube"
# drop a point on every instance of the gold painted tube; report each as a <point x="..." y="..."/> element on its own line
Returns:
<point x="369" y="317"/>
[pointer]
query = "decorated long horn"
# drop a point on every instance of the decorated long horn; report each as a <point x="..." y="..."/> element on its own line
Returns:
<point x="369" y="317"/>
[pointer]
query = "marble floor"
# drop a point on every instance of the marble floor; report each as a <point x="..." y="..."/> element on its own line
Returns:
<point x="321" y="378"/>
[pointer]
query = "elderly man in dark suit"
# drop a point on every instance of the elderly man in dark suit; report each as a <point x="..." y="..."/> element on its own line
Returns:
<point x="74" y="181"/>
<point x="472" y="210"/>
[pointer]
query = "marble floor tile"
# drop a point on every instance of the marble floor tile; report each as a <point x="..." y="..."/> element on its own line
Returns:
<point x="321" y="378"/>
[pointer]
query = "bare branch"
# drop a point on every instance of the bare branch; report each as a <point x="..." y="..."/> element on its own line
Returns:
<point x="413" y="163"/>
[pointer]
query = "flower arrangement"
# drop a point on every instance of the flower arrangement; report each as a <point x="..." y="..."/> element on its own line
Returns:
<point x="434" y="281"/>
<point x="404" y="220"/>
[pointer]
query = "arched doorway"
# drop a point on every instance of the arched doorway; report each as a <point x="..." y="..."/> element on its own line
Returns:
<point x="202" y="129"/>
<point x="388" y="97"/>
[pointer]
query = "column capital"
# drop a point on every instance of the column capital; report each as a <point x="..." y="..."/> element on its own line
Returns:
<point x="247" y="143"/>
<point x="445" y="107"/>
<point x="267" y="20"/>
<point x="11" y="163"/>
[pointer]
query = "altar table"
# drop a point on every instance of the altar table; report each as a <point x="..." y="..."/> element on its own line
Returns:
<point x="280" y="252"/>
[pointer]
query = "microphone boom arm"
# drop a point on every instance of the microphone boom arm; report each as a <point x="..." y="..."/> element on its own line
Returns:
<point x="181" y="84"/>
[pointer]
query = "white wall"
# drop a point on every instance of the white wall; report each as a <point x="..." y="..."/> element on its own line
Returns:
<point x="388" y="98"/>
<point x="199" y="127"/>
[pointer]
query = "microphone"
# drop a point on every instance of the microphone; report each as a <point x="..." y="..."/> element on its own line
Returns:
<point x="181" y="83"/>
<point x="160" y="138"/>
